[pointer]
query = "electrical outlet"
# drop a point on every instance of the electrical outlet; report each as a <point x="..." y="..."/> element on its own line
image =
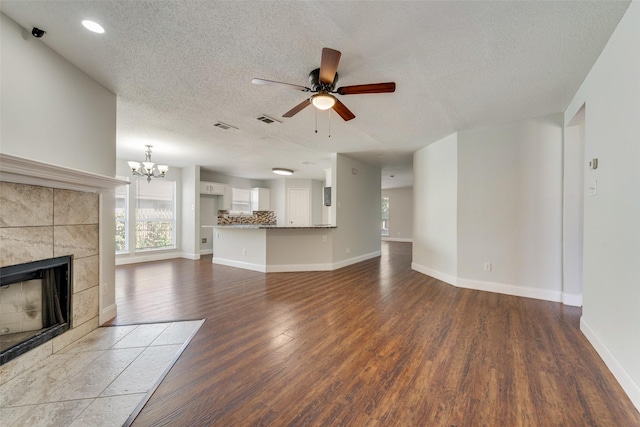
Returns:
<point x="217" y="235"/>
<point x="244" y="252"/>
<point x="487" y="266"/>
<point x="204" y="240"/>
<point x="324" y="238"/>
<point x="348" y="250"/>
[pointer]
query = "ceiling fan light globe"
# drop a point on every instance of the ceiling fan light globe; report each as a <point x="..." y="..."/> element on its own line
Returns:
<point x="323" y="101"/>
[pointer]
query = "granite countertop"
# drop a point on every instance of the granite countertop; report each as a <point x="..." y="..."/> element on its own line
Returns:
<point x="272" y="227"/>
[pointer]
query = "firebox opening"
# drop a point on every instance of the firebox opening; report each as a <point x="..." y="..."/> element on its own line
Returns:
<point x="35" y="304"/>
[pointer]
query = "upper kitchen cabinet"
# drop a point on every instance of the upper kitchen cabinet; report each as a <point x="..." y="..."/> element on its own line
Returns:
<point x="260" y="199"/>
<point x="213" y="188"/>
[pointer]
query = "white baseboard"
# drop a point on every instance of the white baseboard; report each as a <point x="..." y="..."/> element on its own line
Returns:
<point x="397" y="239"/>
<point x="288" y="268"/>
<point x="447" y="278"/>
<point x="619" y="372"/>
<point x="159" y="256"/>
<point x="284" y="268"/>
<point x="238" y="264"/>
<point x="107" y="314"/>
<point x="206" y="251"/>
<point x="134" y="259"/>
<point x="518" y="291"/>
<point x="355" y="260"/>
<point x="500" y="288"/>
<point x="574" y="300"/>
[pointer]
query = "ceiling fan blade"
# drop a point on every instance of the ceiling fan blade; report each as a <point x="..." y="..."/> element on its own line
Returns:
<point x="295" y="110"/>
<point x="329" y="65"/>
<point x="343" y="111"/>
<point x="272" y="83"/>
<point x="369" y="88"/>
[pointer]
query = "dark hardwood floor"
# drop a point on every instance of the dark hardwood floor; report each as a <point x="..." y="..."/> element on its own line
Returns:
<point x="370" y="344"/>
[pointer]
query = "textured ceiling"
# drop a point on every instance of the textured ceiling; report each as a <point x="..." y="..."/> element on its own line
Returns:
<point x="178" y="67"/>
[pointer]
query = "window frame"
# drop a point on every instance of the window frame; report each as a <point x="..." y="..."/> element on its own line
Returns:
<point x="124" y="219"/>
<point x="384" y="216"/>
<point x="136" y="232"/>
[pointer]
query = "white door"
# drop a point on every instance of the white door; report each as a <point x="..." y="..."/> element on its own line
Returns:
<point x="298" y="207"/>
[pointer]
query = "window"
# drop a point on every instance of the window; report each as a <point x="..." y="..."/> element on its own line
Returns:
<point x="155" y="214"/>
<point x="384" y="215"/>
<point x="122" y="218"/>
<point x="241" y="202"/>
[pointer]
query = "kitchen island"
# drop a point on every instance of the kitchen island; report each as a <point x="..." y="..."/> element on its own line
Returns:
<point x="272" y="248"/>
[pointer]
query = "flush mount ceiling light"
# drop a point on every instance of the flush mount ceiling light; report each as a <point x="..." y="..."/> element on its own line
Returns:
<point x="282" y="171"/>
<point x="323" y="101"/>
<point x="148" y="168"/>
<point x="93" y="26"/>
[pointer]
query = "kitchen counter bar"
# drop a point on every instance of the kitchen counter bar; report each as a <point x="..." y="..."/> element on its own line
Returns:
<point x="272" y="227"/>
<point x="272" y="248"/>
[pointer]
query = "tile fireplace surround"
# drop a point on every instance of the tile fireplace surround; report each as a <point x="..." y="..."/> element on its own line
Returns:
<point x="48" y="211"/>
<point x="37" y="223"/>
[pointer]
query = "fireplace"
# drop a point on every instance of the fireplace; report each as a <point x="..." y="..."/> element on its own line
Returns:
<point x="35" y="304"/>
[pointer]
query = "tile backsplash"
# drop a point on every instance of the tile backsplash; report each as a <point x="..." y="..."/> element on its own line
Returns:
<point x="258" y="217"/>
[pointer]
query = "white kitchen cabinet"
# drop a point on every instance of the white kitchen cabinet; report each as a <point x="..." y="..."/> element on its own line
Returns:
<point x="227" y="197"/>
<point x="213" y="188"/>
<point x="260" y="199"/>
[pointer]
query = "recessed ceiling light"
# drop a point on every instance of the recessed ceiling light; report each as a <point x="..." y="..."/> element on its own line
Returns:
<point x="93" y="26"/>
<point x="282" y="171"/>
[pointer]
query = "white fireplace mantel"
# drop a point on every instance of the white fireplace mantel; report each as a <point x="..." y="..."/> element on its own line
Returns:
<point x="27" y="171"/>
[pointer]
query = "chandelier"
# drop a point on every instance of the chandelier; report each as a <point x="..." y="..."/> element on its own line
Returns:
<point x="148" y="168"/>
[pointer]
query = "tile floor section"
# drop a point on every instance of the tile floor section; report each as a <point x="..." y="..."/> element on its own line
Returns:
<point x="100" y="380"/>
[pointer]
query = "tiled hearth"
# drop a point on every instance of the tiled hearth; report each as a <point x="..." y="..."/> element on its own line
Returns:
<point x="102" y="380"/>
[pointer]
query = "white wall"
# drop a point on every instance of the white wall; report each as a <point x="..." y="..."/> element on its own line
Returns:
<point x="189" y="216"/>
<point x="435" y="186"/>
<point x="510" y="207"/>
<point x="241" y="248"/>
<point x="356" y="197"/>
<point x="53" y="112"/>
<point x="573" y="212"/>
<point x="611" y="275"/>
<point x="278" y="199"/>
<point x="208" y="216"/>
<point x="400" y="214"/>
<point x="299" y="250"/>
<point x="233" y="181"/>
<point x="317" y="199"/>
<point x="279" y="188"/>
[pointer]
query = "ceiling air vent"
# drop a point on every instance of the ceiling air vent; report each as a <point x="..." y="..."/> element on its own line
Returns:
<point x="268" y="120"/>
<point x="225" y="126"/>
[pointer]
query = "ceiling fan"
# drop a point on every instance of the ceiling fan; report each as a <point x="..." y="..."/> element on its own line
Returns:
<point x="323" y="81"/>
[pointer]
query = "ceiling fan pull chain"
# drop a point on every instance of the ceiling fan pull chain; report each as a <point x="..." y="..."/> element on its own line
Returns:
<point x="316" y="120"/>
<point x="329" y="123"/>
